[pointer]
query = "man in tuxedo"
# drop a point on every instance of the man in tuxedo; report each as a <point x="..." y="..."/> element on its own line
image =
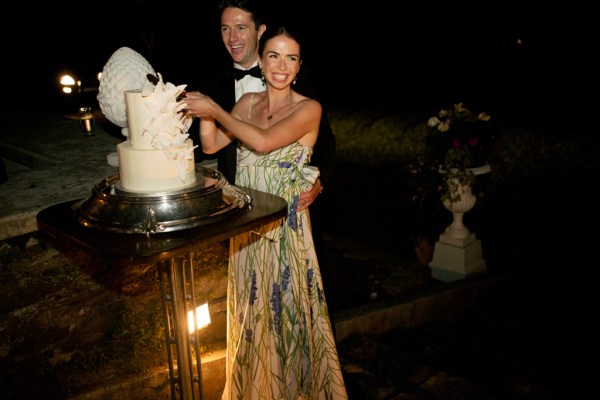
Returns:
<point x="242" y="24"/>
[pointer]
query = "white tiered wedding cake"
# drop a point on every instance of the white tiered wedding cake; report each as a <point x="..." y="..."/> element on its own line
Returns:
<point x="157" y="156"/>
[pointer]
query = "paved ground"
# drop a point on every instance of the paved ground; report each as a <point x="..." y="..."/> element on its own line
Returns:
<point x="528" y="340"/>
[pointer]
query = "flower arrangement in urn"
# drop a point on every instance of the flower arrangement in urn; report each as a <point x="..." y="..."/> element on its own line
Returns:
<point x="460" y="144"/>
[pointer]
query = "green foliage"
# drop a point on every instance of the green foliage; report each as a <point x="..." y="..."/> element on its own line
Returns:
<point x="136" y="330"/>
<point x="397" y="141"/>
<point x="377" y="139"/>
<point x="65" y="274"/>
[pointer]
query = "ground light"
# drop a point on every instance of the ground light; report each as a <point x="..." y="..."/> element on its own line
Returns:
<point x="202" y="316"/>
<point x="180" y="303"/>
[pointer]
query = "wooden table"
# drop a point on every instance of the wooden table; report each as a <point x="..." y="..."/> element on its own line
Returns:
<point x="172" y="252"/>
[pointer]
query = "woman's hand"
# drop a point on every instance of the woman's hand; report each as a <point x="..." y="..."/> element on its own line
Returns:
<point x="197" y="104"/>
<point x="308" y="197"/>
<point x="193" y="95"/>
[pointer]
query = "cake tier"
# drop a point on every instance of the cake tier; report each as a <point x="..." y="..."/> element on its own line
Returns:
<point x="149" y="171"/>
<point x="137" y="115"/>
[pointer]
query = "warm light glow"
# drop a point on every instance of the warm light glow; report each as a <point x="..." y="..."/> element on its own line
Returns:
<point x="67" y="80"/>
<point x="203" y="317"/>
<point x="67" y="90"/>
<point x="99" y="76"/>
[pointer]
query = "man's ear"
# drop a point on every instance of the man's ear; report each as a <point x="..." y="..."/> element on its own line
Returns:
<point x="261" y="29"/>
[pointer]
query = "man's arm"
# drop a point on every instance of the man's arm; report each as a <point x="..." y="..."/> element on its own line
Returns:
<point x="324" y="151"/>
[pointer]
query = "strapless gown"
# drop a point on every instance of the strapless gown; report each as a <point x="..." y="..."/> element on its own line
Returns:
<point x="280" y="343"/>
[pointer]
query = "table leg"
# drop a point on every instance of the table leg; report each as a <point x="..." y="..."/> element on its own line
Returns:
<point x="178" y="297"/>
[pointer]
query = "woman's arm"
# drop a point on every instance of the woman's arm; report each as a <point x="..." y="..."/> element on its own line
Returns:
<point x="212" y="138"/>
<point x="302" y="125"/>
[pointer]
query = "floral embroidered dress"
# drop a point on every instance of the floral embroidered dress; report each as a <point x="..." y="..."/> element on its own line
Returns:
<point x="280" y="344"/>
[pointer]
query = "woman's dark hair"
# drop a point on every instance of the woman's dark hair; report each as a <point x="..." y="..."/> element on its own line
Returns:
<point x="253" y="7"/>
<point x="282" y="30"/>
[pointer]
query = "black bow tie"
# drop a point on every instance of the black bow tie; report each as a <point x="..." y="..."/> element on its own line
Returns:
<point x="240" y="73"/>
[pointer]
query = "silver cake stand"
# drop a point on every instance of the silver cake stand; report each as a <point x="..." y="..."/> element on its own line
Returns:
<point x="112" y="209"/>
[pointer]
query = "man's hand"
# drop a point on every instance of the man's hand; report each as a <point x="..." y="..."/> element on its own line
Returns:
<point x="307" y="198"/>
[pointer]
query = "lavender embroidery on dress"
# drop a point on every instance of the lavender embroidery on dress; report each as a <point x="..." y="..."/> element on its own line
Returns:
<point x="276" y="307"/>
<point x="320" y="294"/>
<point x="309" y="274"/>
<point x="252" y="298"/>
<point x="286" y="278"/>
<point x="292" y="220"/>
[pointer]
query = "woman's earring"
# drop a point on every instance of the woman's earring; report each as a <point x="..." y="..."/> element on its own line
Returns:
<point x="295" y="80"/>
<point x="262" y="77"/>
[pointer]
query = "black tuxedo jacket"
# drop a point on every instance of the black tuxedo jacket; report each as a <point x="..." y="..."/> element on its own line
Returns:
<point x="221" y="88"/>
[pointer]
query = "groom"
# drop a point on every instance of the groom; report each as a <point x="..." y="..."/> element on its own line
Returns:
<point x="242" y="24"/>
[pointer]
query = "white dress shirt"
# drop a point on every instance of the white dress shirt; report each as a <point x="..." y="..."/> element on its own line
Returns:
<point x="248" y="83"/>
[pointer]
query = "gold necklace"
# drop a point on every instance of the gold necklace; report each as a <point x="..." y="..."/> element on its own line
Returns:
<point x="270" y="117"/>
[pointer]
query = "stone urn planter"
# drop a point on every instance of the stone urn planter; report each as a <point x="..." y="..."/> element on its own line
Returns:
<point x="457" y="254"/>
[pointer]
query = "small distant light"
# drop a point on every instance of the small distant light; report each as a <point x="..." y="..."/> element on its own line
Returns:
<point x="203" y="317"/>
<point x="99" y="76"/>
<point x="67" y="90"/>
<point x="519" y="41"/>
<point x="67" y="80"/>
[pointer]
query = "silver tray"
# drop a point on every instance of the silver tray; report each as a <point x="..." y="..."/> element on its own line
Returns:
<point x="112" y="209"/>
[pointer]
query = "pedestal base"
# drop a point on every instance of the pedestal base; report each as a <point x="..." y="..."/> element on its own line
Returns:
<point x="455" y="259"/>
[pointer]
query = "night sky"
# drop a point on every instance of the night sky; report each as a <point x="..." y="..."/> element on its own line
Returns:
<point x="499" y="52"/>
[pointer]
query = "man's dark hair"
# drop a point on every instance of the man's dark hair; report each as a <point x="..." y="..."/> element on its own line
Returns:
<point x="254" y="7"/>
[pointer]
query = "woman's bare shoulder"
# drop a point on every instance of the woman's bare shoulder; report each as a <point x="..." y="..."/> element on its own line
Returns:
<point x="309" y="104"/>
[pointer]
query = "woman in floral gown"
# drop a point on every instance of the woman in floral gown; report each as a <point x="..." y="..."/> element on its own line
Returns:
<point x="280" y="343"/>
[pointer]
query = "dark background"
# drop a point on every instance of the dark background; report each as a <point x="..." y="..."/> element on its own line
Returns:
<point x="511" y="56"/>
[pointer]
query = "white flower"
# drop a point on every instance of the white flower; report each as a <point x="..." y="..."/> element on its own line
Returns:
<point x="433" y="122"/>
<point x="483" y="116"/>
